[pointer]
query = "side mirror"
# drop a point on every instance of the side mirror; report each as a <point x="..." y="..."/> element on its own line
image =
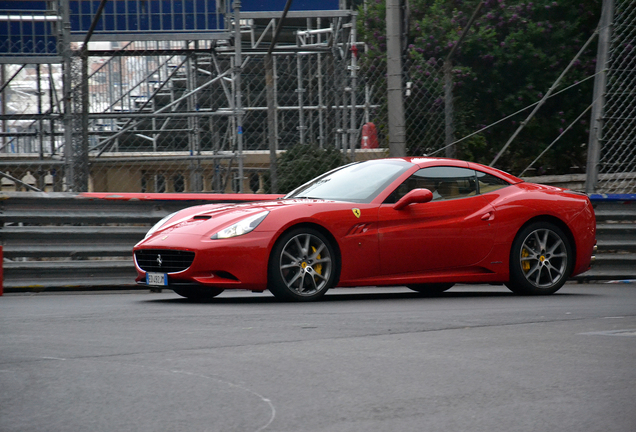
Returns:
<point x="415" y="196"/>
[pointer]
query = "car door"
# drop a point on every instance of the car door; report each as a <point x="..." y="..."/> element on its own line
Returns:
<point x="455" y="230"/>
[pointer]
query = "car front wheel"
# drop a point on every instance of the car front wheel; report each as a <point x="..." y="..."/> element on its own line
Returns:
<point x="541" y="260"/>
<point x="302" y="266"/>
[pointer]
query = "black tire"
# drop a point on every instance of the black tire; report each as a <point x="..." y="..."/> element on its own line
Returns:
<point x="198" y="293"/>
<point x="302" y="266"/>
<point x="541" y="260"/>
<point x="431" y="288"/>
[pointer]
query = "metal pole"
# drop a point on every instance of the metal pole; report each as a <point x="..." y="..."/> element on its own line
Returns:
<point x="271" y="122"/>
<point x="3" y="108"/>
<point x="598" y="98"/>
<point x="111" y="95"/>
<point x="311" y="89"/>
<point x="353" y="128"/>
<point x="199" y="183"/>
<point x="190" y="106"/>
<point x="57" y="175"/>
<point x="51" y="110"/>
<point x="83" y="171"/>
<point x="155" y="136"/>
<point x="67" y="91"/>
<point x="397" y="129"/>
<point x="238" y="95"/>
<point x="321" y="102"/>
<point x="367" y="90"/>
<point x="271" y="104"/>
<point x="81" y="175"/>
<point x="40" y="172"/>
<point x="337" y="98"/>
<point x="301" y="91"/>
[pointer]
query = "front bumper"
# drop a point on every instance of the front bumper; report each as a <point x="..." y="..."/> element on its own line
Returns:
<point x="234" y="263"/>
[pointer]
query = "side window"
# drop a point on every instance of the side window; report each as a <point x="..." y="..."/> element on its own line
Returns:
<point x="444" y="182"/>
<point x="488" y="183"/>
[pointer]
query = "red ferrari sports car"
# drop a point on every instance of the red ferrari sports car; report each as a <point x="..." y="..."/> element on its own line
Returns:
<point x="426" y="223"/>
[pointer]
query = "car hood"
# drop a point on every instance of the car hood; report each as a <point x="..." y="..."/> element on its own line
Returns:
<point x="206" y="220"/>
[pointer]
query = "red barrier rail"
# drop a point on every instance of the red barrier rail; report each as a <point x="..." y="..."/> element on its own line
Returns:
<point x="216" y="197"/>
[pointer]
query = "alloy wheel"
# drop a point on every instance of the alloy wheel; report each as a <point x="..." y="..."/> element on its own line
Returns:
<point x="305" y="264"/>
<point x="543" y="258"/>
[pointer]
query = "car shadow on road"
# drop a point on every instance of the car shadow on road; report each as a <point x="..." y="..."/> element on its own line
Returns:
<point x="330" y="297"/>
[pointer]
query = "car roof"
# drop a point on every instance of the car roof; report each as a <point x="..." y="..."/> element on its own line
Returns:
<point x="424" y="162"/>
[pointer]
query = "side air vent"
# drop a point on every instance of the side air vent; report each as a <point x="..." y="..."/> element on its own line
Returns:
<point x="359" y="229"/>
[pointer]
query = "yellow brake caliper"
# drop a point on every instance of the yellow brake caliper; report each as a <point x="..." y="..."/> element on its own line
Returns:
<point x="317" y="267"/>
<point x="525" y="265"/>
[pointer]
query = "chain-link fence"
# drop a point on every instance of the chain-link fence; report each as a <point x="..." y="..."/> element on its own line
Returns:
<point x="617" y="163"/>
<point x="425" y="108"/>
<point x="162" y="116"/>
<point x="171" y="115"/>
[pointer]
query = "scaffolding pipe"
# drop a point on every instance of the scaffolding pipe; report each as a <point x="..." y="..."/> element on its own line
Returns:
<point x="238" y="62"/>
<point x="300" y="91"/>
<point x="128" y="126"/>
<point x="353" y="131"/>
<point x="272" y="120"/>
<point x="321" y="114"/>
<point x="67" y="91"/>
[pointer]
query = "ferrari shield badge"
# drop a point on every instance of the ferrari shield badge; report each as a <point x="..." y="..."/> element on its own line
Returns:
<point x="356" y="212"/>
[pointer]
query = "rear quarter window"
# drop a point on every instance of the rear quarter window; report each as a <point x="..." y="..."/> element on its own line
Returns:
<point x="489" y="183"/>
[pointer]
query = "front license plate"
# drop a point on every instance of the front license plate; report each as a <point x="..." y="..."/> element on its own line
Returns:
<point x="157" y="279"/>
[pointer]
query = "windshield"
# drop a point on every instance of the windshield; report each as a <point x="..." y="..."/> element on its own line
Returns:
<point x="357" y="182"/>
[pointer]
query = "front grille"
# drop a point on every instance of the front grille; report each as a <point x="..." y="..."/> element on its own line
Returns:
<point x="163" y="260"/>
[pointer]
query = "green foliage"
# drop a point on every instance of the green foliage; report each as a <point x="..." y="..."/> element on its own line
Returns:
<point x="303" y="162"/>
<point x="511" y="56"/>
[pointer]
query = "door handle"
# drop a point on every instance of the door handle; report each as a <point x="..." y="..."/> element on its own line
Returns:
<point x="488" y="216"/>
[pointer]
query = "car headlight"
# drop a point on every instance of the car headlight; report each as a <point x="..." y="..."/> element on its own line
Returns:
<point x="159" y="224"/>
<point x="241" y="227"/>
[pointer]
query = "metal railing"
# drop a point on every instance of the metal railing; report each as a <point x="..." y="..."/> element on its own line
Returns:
<point x="616" y="239"/>
<point x="63" y="240"/>
<point x="84" y="241"/>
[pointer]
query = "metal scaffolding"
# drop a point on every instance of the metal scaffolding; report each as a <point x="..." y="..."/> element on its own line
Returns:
<point x="181" y="109"/>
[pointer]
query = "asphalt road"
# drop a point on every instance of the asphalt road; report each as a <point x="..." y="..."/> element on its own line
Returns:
<point x="474" y="359"/>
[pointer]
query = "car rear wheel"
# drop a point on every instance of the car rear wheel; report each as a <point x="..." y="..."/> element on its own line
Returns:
<point x="541" y="260"/>
<point x="431" y="288"/>
<point x="198" y="293"/>
<point x="302" y="266"/>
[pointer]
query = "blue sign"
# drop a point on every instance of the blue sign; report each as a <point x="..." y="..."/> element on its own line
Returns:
<point x="27" y="27"/>
<point x="148" y="16"/>
<point x="297" y="5"/>
<point x="31" y="27"/>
